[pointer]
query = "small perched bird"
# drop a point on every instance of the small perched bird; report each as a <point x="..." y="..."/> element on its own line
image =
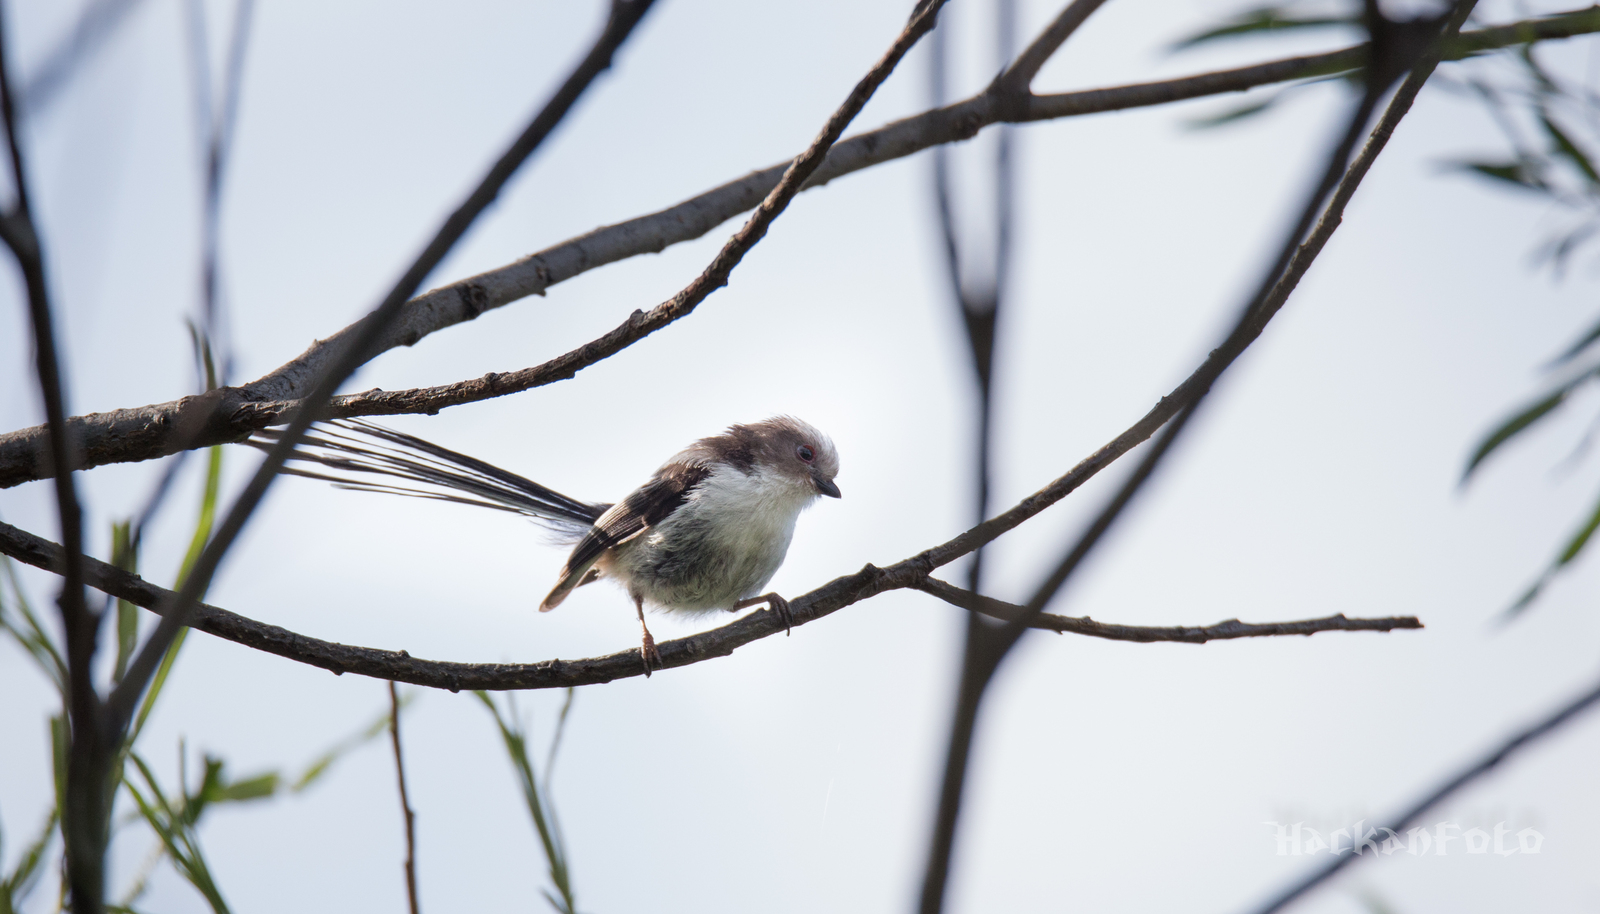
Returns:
<point x="706" y="532"/>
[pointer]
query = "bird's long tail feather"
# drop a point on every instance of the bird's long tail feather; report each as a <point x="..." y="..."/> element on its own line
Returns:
<point x="354" y="454"/>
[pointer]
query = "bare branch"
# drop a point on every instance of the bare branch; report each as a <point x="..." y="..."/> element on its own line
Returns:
<point x="400" y="666"/>
<point x="1144" y="634"/>
<point x="625" y="15"/>
<point x="1397" y="47"/>
<point x="1343" y="856"/>
<point x="85" y="804"/>
<point x="1020" y="74"/>
<point x="230" y="415"/>
<point x="95" y="26"/>
<point x="405" y="799"/>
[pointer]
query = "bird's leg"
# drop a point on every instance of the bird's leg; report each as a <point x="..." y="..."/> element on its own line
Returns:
<point x="647" y="648"/>
<point x="779" y="605"/>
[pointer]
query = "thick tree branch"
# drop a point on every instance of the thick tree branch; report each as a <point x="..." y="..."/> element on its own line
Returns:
<point x="231" y="414"/>
<point x="400" y="666"/>
<point x="1144" y="634"/>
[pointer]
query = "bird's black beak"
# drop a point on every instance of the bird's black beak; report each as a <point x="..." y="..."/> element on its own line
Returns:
<point x="826" y="486"/>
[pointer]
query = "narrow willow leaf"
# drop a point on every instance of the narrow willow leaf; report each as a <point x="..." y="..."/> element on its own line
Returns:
<point x="30" y="634"/>
<point x="1579" y="539"/>
<point x="1519" y="174"/>
<point x="254" y="788"/>
<point x="14" y="890"/>
<point x="1568" y="149"/>
<point x="1266" y="19"/>
<point x="1524" y="601"/>
<point x="123" y="556"/>
<point x="177" y="836"/>
<point x="1232" y="115"/>
<point x="539" y="807"/>
<point x="1511" y="427"/>
<point x="1574" y="547"/>
<point x="325" y="761"/>
<point x="197" y="543"/>
<point x="1577" y="349"/>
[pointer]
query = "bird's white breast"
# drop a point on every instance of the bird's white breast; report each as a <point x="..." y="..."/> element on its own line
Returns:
<point x="723" y="545"/>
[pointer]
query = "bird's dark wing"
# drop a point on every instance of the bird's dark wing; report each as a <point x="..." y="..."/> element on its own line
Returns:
<point x="647" y="506"/>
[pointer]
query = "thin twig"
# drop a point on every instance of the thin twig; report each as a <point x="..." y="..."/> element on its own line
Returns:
<point x="98" y="21"/>
<point x="405" y="799"/>
<point x="625" y="14"/>
<point x="1147" y="634"/>
<point x="400" y="666"/>
<point x="147" y="432"/>
<point x="1343" y="857"/>
<point x="1019" y="76"/>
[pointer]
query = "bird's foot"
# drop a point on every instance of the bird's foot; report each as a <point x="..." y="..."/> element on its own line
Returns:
<point x="649" y="654"/>
<point x="780" y="608"/>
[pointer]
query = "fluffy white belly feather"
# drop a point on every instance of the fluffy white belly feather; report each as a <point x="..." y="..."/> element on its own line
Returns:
<point x="728" y="540"/>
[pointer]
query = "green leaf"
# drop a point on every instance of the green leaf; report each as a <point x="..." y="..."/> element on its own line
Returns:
<point x="1513" y="426"/>
<point x="16" y="886"/>
<point x="1568" y="149"/>
<point x="538" y="802"/>
<point x="1577" y="349"/>
<point x="1574" y="547"/>
<point x="197" y="543"/>
<point x="124" y="556"/>
<point x="177" y="836"/>
<point x="255" y="788"/>
<point x="1579" y="539"/>
<point x="1521" y="174"/>
<point x="1265" y="19"/>
<point x="29" y="633"/>
<point x="322" y="763"/>
<point x="1232" y="115"/>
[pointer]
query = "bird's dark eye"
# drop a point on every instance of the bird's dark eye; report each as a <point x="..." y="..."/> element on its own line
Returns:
<point x="805" y="453"/>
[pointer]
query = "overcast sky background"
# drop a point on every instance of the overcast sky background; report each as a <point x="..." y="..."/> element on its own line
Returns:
<point x="798" y="774"/>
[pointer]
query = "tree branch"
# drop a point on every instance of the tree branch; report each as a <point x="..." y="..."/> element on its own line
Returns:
<point x="624" y="16"/>
<point x="400" y="666"/>
<point x="1397" y="47"/>
<point x="1145" y="634"/>
<point x="1017" y="77"/>
<point x="230" y="415"/>
<point x="1410" y="817"/>
<point x="85" y="802"/>
<point x="405" y="799"/>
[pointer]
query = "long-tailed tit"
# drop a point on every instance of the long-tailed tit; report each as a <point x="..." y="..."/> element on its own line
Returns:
<point x="705" y="533"/>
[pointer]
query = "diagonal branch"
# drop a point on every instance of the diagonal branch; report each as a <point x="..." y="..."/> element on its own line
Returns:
<point x="1145" y="634"/>
<point x="1017" y="77"/>
<point x="1397" y="47"/>
<point x="624" y="16"/>
<point x="1413" y="815"/>
<point x="147" y="432"/>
